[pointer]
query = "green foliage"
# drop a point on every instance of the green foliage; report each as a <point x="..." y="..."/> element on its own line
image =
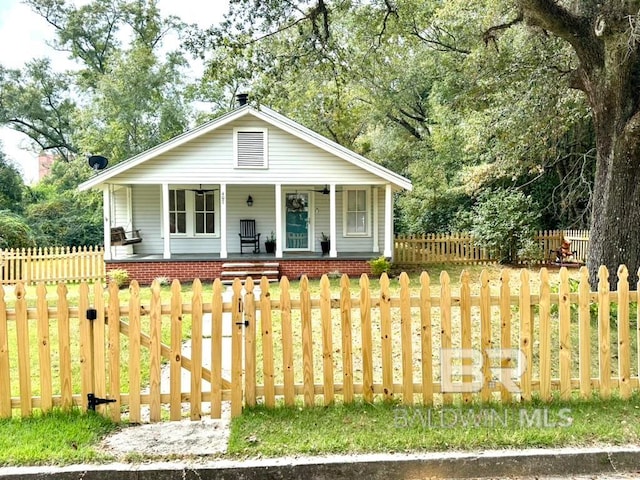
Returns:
<point x="14" y="231"/>
<point x="504" y="221"/>
<point x="11" y="186"/>
<point x="119" y="276"/>
<point x="379" y="266"/>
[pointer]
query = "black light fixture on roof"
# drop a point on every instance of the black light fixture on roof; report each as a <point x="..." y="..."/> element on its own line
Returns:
<point x="249" y="201"/>
<point x="97" y="162"/>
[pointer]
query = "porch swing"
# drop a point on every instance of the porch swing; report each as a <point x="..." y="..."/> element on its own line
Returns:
<point x="119" y="237"/>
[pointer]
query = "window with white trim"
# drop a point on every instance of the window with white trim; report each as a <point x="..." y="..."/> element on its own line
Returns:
<point x="205" y="213"/>
<point x="193" y="213"/>
<point x="250" y="148"/>
<point x="356" y="212"/>
<point x="177" y="211"/>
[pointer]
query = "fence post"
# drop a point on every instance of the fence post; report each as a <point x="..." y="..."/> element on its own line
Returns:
<point x="367" y="354"/>
<point x="196" y="351"/>
<point x="624" y="348"/>
<point x="445" y="324"/>
<point x="287" y="341"/>
<point x="308" y="384"/>
<point x="407" y="345"/>
<point x="604" y="332"/>
<point x="266" y="329"/>
<point x="584" y="322"/>
<point x="526" y="331"/>
<point x="386" y="337"/>
<point x="5" y="382"/>
<point x="236" y="349"/>
<point x="545" y="336"/>
<point x="250" y="357"/>
<point x="327" y="340"/>
<point x="347" y="359"/>
<point x="564" y="308"/>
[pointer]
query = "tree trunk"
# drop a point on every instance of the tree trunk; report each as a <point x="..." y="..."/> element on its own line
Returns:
<point x="612" y="90"/>
<point x="606" y="39"/>
<point x="615" y="220"/>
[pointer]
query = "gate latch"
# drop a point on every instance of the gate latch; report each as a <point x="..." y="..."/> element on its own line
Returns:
<point x="93" y="401"/>
<point x="245" y="323"/>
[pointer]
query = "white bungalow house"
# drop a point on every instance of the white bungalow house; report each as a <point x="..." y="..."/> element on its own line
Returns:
<point x="189" y="198"/>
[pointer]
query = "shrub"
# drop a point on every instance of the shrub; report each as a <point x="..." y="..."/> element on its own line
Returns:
<point x="505" y="222"/>
<point x="379" y="266"/>
<point x="119" y="276"/>
<point x="163" y="281"/>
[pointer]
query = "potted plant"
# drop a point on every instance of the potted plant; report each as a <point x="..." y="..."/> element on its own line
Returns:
<point x="325" y="244"/>
<point x="270" y="243"/>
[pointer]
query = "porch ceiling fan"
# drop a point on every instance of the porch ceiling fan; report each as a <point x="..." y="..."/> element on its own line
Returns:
<point x="202" y="191"/>
<point x="325" y="190"/>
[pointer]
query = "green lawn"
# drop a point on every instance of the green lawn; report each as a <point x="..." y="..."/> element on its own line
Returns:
<point x="66" y="438"/>
<point x="393" y="428"/>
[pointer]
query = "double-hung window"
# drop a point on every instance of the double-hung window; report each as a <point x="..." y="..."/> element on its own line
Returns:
<point x="177" y="211"/>
<point x="205" y="213"/>
<point x="193" y="213"/>
<point x="356" y="212"/>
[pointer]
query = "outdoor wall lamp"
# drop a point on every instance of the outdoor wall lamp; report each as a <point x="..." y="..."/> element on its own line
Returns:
<point x="249" y="201"/>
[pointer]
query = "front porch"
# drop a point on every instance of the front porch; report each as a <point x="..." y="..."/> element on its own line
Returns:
<point x="207" y="267"/>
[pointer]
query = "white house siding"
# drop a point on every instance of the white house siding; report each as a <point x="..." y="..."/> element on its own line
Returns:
<point x="120" y="216"/>
<point x="262" y="211"/>
<point x="147" y="205"/>
<point x="209" y="159"/>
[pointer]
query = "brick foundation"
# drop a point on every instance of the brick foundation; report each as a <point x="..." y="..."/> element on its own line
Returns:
<point x="186" y="271"/>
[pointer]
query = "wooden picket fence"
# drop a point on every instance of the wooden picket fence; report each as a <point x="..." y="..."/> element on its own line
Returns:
<point x="460" y="248"/>
<point x="283" y="344"/>
<point x="52" y="265"/>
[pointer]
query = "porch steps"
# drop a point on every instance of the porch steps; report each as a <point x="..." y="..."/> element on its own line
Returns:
<point x="255" y="270"/>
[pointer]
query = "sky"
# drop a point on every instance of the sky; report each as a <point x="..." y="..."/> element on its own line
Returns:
<point x="24" y="36"/>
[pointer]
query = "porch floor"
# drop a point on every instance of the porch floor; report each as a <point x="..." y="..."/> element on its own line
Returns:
<point x="245" y="257"/>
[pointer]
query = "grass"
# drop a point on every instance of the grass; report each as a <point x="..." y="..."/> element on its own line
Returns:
<point x="62" y="438"/>
<point x="55" y="438"/>
<point x="393" y="428"/>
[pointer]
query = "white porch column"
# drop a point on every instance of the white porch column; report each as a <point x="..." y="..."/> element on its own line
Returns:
<point x="106" y="209"/>
<point x="166" y="223"/>
<point x="333" y="238"/>
<point x="223" y="220"/>
<point x="388" y="221"/>
<point x="376" y="223"/>
<point x="279" y="229"/>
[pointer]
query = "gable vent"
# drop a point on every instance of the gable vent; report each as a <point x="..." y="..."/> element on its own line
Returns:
<point x="250" y="149"/>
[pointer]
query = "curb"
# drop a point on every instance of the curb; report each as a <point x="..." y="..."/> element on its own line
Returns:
<point x="501" y="463"/>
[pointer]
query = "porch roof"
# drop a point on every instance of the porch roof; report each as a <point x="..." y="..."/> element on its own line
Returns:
<point x="269" y="116"/>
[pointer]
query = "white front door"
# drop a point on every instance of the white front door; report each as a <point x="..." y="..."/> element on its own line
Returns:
<point x="297" y="220"/>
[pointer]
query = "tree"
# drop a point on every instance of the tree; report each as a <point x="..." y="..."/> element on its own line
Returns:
<point x="119" y="101"/>
<point x="605" y="37"/>
<point x="11" y="186"/>
<point x="59" y="214"/>
<point x="505" y="222"/>
<point x="14" y="231"/>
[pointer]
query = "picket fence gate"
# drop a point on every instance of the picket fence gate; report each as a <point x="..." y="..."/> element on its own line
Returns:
<point x="248" y="345"/>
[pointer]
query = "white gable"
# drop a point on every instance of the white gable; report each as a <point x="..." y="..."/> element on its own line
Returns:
<point x="249" y="146"/>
